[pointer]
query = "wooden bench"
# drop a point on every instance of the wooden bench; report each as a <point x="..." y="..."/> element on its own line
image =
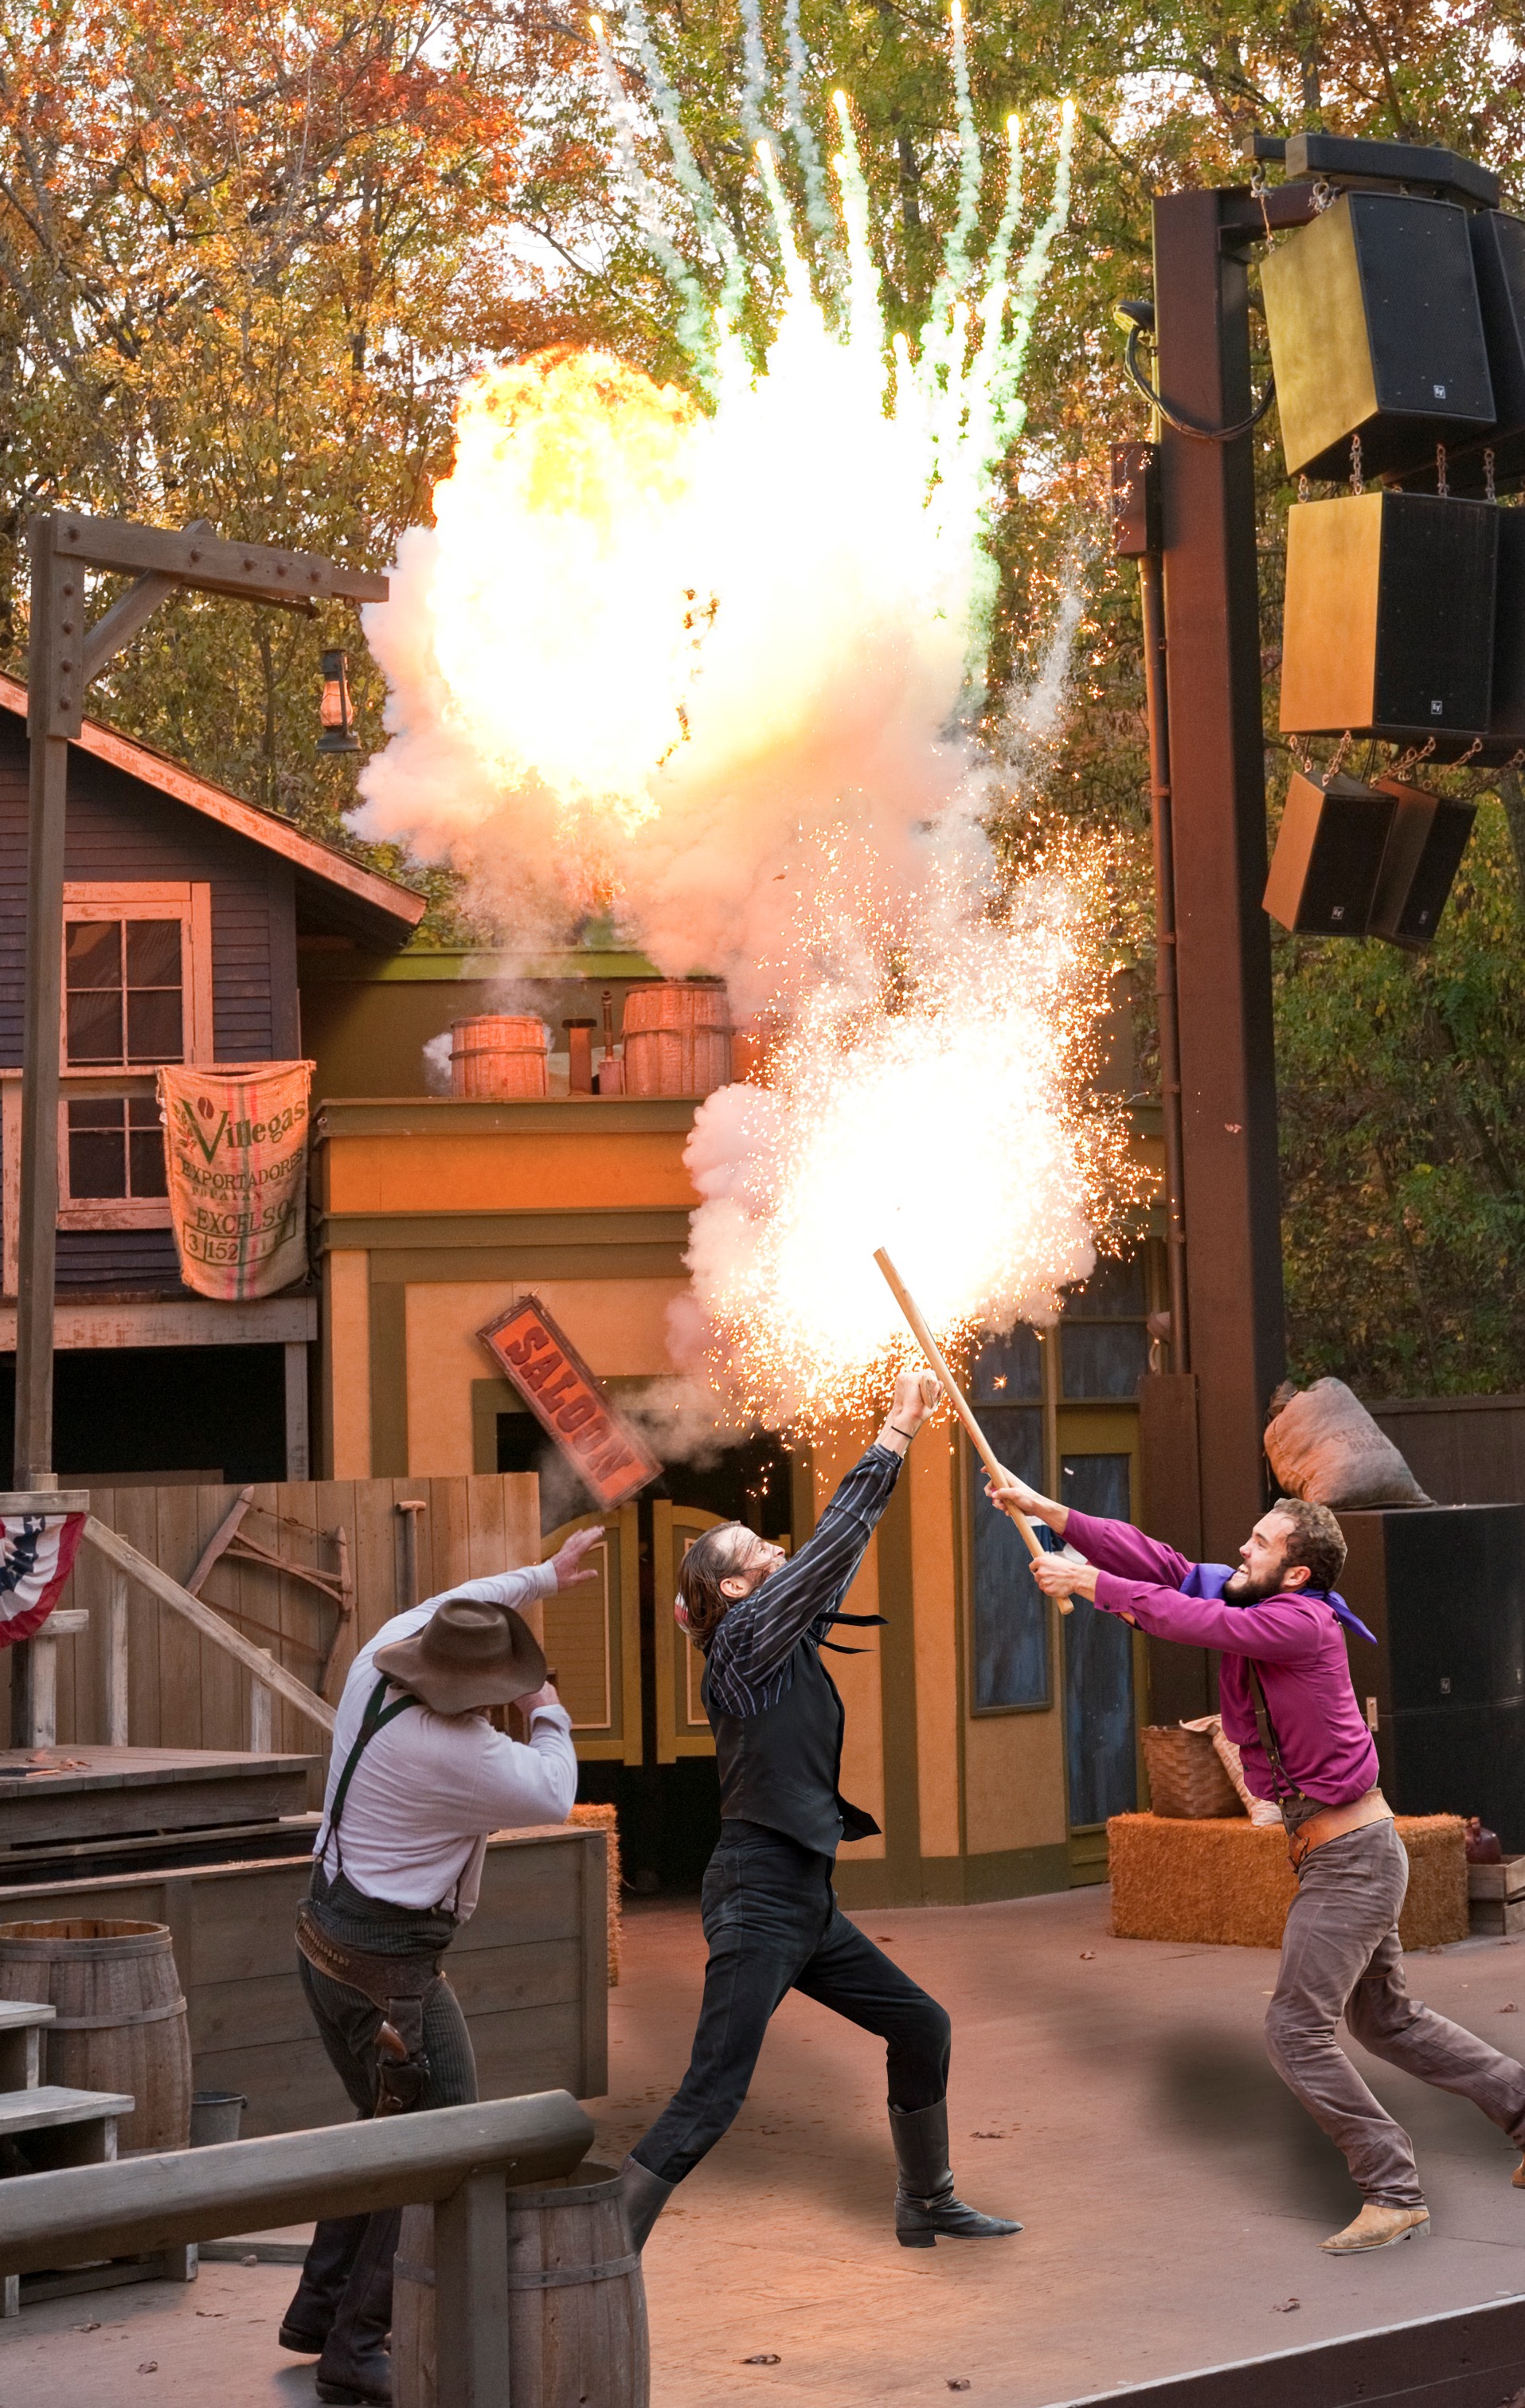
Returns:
<point x="45" y="2127"/>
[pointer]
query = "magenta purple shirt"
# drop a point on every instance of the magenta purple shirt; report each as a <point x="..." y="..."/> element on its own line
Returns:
<point x="1295" y="1640"/>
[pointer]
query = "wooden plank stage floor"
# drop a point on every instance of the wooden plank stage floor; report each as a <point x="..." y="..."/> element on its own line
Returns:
<point x="1173" y="2195"/>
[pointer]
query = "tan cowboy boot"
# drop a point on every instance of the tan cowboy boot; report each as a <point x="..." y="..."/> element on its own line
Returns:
<point x="1377" y="2227"/>
<point x="1519" y="2175"/>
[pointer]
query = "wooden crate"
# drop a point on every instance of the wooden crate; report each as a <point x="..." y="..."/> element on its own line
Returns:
<point x="531" y="1968"/>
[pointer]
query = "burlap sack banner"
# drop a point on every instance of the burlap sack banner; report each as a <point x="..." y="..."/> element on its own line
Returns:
<point x="236" y="1142"/>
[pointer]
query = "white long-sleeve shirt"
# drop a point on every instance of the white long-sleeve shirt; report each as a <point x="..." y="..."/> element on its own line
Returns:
<point x="430" y="1787"/>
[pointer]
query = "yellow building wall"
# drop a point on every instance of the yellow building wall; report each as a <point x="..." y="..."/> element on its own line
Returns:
<point x="618" y="1326"/>
<point x="930" y="1472"/>
<point x="346" y="1365"/>
<point x="540" y="1170"/>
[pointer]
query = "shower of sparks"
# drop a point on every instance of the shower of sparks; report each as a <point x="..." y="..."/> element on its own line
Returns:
<point x="719" y="663"/>
<point x="949" y="1114"/>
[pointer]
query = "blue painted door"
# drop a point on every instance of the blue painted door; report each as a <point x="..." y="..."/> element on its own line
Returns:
<point x="1098" y="1666"/>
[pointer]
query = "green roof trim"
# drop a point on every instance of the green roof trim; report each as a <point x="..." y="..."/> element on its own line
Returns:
<point x="428" y="966"/>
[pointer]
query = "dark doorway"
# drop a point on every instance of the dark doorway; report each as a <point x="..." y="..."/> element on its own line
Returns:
<point x="217" y="1409"/>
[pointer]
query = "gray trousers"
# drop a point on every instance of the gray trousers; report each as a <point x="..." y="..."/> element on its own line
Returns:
<point x="1340" y="1954"/>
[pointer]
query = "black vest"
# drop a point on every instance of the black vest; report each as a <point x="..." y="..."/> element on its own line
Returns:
<point x="780" y="1767"/>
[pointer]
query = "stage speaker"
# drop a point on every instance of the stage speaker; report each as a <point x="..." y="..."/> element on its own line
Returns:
<point x="1387" y="622"/>
<point x="1425" y="845"/>
<point x="1376" y="330"/>
<point x="1329" y="856"/>
<point x="1443" y="1588"/>
<point x="1506" y="716"/>
<point x="1498" y="258"/>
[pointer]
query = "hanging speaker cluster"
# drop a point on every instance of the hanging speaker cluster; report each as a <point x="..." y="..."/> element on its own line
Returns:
<point x="1353" y="860"/>
<point x="1376" y="331"/>
<point x="1390" y="623"/>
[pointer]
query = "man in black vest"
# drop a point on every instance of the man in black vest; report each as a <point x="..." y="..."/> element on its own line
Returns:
<point x="770" y="1914"/>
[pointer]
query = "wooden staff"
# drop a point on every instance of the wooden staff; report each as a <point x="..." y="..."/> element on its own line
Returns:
<point x="956" y="1397"/>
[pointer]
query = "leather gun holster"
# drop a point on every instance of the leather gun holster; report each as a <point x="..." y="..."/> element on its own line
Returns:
<point x="399" y="1987"/>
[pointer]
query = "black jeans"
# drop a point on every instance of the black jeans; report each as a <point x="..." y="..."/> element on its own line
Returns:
<point x="773" y="1924"/>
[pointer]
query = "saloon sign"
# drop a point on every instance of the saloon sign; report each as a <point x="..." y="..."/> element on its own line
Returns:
<point x="566" y="1399"/>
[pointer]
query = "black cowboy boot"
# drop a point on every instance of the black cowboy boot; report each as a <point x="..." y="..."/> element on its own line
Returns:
<point x="325" y="2270"/>
<point x="926" y="2203"/>
<point x="643" y="2195"/>
<point x="355" y="2368"/>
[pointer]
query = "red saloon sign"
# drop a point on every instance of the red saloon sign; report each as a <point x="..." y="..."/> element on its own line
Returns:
<point x="566" y="1399"/>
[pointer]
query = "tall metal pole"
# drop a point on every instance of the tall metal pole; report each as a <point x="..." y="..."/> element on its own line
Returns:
<point x="1218" y="797"/>
<point x="1152" y="598"/>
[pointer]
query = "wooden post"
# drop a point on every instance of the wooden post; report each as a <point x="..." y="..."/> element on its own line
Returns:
<point x="259" y="1712"/>
<point x="116" y="1662"/>
<point x="53" y="715"/>
<point x="471" y="2295"/>
<point x="408" y="1510"/>
<point x="44" y="1730"/>
<point x="298" y="1447"/>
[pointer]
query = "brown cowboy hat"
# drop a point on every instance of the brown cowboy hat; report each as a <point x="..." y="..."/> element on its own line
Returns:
<point x="467" y="1655"/>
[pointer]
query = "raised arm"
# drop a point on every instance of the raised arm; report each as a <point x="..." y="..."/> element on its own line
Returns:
<point x="761" y="1631"/>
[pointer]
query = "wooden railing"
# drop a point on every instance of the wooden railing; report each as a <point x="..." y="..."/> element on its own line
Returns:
<point x="461" y="2158"/>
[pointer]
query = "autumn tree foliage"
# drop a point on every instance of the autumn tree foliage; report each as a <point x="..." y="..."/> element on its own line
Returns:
<point x="246" y="252"/>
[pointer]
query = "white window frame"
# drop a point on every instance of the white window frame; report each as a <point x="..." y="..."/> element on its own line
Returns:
<point x="190" y="903"/>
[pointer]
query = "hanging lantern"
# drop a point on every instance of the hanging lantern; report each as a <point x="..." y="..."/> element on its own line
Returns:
<point x="333" y="711"/>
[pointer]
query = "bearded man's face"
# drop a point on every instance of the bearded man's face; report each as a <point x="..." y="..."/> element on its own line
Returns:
<point x="1263" y="1561"/>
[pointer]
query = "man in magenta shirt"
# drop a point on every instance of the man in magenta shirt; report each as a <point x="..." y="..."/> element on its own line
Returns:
<point x="1276" y="1622"/>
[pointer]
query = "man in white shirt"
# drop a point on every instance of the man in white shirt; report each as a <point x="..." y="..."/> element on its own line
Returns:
<point x="418" y="1779"/>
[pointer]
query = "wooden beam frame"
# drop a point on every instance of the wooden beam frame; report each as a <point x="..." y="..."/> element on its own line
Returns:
<point x="66" y="655"/>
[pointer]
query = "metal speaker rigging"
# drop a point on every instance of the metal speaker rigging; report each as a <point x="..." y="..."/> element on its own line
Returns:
<point x="1388" y="623"/>
<point x="1376" y="331"/>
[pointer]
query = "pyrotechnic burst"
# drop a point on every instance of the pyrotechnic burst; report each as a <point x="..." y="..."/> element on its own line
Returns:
<point x="718" y="658"/>
<point x="949" y="1112"/>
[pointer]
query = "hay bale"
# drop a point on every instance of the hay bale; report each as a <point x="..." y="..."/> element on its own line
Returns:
<point x="606" y="1819"/>
<point x="1229" y="1883"/>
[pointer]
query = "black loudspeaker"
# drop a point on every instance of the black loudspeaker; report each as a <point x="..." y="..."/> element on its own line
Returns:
<point x="1498" y="258"/>
<point x="1443" y="1588"/>
<point x="1376" y="330"/>
<point x="1387" y="623"/>
<point x="1329" y="856"/>
<point x="1425" y="845"/>
<point x="1506" y="716"/>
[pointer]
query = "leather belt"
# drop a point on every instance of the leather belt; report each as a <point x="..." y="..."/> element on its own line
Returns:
<point x="1333" y="1822"/>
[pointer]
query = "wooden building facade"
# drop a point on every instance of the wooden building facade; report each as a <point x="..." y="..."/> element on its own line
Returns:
<point x="184" y="909"/>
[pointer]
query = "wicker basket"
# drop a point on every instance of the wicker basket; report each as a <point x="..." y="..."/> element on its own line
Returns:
<point x="1187" y="1781"/>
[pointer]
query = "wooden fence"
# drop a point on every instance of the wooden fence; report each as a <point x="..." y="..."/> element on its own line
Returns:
<point x="183" y="1691"/>
<point x="1461" y="1450"/>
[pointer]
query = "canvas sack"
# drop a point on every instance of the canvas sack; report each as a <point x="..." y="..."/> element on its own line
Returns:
<point x="1323" y="1444"/>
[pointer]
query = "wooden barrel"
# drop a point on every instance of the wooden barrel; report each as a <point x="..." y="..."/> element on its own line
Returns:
<point x="577" y="2306"/>
<point x="498" y="1055"/>
<point x="677" y="1038"/>
<point x="122" y="2019"/>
